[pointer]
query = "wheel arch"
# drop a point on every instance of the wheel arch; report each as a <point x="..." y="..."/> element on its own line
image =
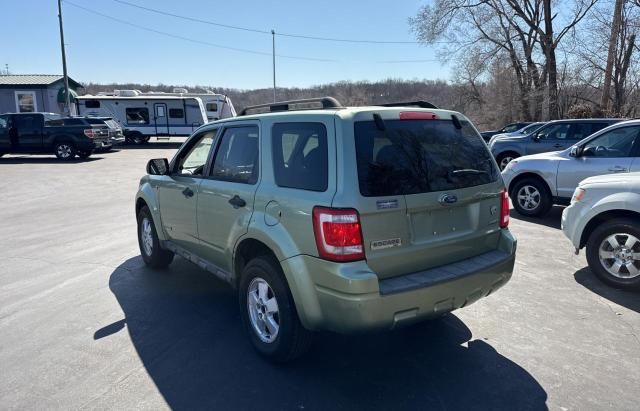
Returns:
<point x="528" y="175"/>
<point x="146" y="197"/>
<point x="602" y="217"/>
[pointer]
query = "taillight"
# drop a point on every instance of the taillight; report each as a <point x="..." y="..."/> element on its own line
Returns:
<point x="89" y="132"/>
<point x="417" y="115"/>
<point x="338" y="234"/>
<point x="504" y="210"/>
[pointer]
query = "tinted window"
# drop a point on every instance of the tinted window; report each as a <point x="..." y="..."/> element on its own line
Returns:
<point x="3" y="121"/>
<point x="614" y="143"/>
<point x="212" y="107"/>
<point x="420" y="156"/>
<point x="137" y="115"/>
<point x="92" y="104"/>
<point x="74" y="122"/>
<point x="193" y="162"/>
<point x="580" y="131"/>
<point x="26" y="122"/>
<point x="511" y="128"/>
<point x="237" y="156"/>
<point x="598" y="126"/>
<point x="176" y="113"/>
<point x="300" y="155"/>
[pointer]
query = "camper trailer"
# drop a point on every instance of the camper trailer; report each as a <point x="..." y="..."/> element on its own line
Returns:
<point x="144" y="116"/>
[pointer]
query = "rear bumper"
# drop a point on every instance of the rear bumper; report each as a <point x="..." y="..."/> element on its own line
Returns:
<point x="349" y="298"/>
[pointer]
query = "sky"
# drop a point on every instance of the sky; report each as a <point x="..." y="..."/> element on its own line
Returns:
<point x="102" y="50"/>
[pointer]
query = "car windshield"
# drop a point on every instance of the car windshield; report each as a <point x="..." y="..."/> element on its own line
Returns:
<point x="531" y="128"/>
<point x="420" y="156"/>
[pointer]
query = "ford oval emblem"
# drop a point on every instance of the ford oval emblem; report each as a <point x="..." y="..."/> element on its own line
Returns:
<point x="447" y="199"/>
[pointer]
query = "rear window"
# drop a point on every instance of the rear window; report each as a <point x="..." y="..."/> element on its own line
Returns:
<point x="420" y="156"/>
<point x="300" y="155"/>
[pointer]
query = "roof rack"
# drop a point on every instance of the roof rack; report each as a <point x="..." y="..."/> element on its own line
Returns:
<point x="293" y="105"/>
<point x="419" y="103"/>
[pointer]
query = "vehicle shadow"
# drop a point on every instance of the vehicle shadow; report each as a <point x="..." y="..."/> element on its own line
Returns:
<point x="185" y="326"/>
<point x="26" y="159"/>
<point x="628" y="299"/>
<point x="551" y="220"/>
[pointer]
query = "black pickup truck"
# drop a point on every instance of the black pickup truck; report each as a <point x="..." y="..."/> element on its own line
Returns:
<point x="37" y="133"/>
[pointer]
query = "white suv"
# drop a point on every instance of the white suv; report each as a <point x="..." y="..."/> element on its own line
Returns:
<point x="604" y="217"/>
<point x="537" y="182"/>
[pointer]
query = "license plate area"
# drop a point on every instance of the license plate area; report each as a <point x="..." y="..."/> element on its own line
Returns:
<point x="443" y="223"/>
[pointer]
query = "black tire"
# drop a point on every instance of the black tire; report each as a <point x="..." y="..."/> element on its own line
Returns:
<point x="64" y="150"/>
<point x="598" y="237"/>
<point x="503" y="157"/>
<point x="292" y="339"/>
<point x="543" y="198"/>
<point x="84" y="154"/>
<point x="157" y="257"/>
<point x="137" y="138"/>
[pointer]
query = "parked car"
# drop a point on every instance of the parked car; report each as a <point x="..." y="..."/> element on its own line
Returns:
<point x="526" y="130"/>
<point x="509" y="128"/>
<point x="36" y="133"/>
<point x="537" y="182"/>
<point x="553" y="136"/>
<point x="115" y="131"/>
<point x="604" y="217"/>
<point x="341" y="219"/>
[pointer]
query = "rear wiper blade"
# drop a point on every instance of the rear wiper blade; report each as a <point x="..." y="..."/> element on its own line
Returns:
<point x="468" y="171"/>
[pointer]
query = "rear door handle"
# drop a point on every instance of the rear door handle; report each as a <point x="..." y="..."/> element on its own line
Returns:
<point x="187" y="192"/>
<point x="237" y="202"/>
<point x="618" y="169"/>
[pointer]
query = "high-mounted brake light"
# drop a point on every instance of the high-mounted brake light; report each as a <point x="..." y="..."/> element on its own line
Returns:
<point x="417" y="115"/>
<point x="338" y="235"/>
<point x="89" y="132"/>
<point x="504" y="210"/>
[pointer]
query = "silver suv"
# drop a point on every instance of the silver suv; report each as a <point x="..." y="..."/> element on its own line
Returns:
<point x="604" y="217"/>
<point x="553" y="136"/>
<point x="537" y="182"/>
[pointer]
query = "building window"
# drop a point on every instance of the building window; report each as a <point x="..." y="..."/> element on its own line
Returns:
<point x="176" y="113"/>
<point x="25" y="101"/>
<point x="92" y="104"/>
<point x="137" y="115"/>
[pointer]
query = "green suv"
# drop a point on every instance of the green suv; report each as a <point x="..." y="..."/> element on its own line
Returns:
<point x="335" y="218"/>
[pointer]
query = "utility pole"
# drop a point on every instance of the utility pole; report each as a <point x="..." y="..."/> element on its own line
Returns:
<point x="67" y="98"/>
<point x="273" y="43"/>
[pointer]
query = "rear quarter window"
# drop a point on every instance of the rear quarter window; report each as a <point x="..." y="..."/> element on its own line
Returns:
<point x="420" y="156"/>
<point x="300" y="157"/>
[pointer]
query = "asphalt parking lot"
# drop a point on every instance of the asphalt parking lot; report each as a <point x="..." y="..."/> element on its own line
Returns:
<point x="83" y="324"/>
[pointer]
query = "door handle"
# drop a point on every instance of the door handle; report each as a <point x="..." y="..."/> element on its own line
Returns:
<point x="617" y="169"/>
<point x="237" y="202"/>
<point x="187" y="192"/>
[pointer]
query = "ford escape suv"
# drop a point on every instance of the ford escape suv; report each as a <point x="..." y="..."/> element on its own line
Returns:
<point x="332" y="218"/>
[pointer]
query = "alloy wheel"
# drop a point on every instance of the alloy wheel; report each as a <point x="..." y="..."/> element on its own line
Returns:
<point x="505" y="161"/>
<point x="620" y="255"/>
<point x="64" y="151"/>
<point x="146" y="237"/>
<point x="529" y="197"/>
<point x="263" y="310"/>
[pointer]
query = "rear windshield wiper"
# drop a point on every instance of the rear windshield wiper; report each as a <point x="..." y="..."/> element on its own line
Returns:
<point x="468" y="171"/>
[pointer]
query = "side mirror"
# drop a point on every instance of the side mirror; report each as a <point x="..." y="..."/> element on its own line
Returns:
<point x="575" y="151"/>
<point x="158" y="167"/>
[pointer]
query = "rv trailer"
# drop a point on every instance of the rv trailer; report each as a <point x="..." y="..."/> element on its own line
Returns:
<point x="144" y="116"/>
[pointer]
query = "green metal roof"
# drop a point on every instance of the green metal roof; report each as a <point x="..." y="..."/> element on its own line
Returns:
<point x="10" y="80"/>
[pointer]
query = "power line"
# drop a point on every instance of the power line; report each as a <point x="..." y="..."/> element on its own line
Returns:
<point x="176" y="36"/>
<point x="299" y="36"/>
<point x="240" y="50"/>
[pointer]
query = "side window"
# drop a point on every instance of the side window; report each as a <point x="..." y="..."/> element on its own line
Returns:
<point x="237" y="156"/>
<point x="194" y="161"/>
<point x="137" y="115"/>
<point x="92" y="104"/>
<point x="176" y="113"/>
<point x="300" y="157"/>
<point x="598" y="126"/>
<point x="580" y="131"/>
<point x="212" y="107"/>
<point x="25" y="123"/>
<point x="511" y="128"/>
<point x="615" y="143"/>
<point x="554" y="132"/>
<point x="3" y="122"/>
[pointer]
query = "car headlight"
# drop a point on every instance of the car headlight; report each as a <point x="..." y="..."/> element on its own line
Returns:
<point x="578" y="195"/>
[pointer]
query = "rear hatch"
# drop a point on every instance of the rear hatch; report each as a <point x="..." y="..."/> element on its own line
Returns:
<point x="430" y="191"/>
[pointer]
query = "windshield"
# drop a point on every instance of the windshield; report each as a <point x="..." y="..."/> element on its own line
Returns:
<point x="420" y="156"/>
<point x="532" y="128"/>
